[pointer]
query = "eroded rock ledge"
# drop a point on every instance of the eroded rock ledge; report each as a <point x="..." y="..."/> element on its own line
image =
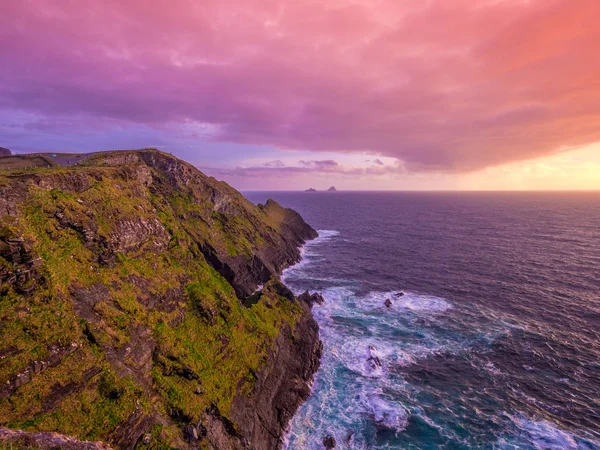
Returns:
<point x="46" y="441"/>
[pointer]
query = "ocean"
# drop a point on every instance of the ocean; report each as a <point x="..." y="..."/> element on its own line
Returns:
<point x="491" y="339"/>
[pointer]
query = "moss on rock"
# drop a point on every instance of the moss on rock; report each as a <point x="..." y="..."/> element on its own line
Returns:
<point x="132" y="321"/>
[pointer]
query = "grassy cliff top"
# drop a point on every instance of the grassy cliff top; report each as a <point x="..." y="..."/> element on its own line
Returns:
<point x="121" y="279"/>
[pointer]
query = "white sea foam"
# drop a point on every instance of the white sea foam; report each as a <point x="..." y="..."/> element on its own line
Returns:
<point x="409" y="301"/>
<point x="385" y="413"/>
<point x="543" y="435"/>
<point x="308" y="255"/>
<point x="357" y="390"/>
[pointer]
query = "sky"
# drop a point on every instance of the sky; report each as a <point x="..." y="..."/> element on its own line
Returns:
<point x="291" y="94"/>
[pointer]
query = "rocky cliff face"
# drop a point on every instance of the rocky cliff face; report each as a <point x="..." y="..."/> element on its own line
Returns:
<point x="129" y="311"/>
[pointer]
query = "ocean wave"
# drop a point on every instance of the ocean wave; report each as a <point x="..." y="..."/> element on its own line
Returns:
<point x="309" y="256"/>
<point x="543" y="435"/>
<point x="360" y="390"/>
<point x="401" y="300"/>
<point x="387" y="414"/>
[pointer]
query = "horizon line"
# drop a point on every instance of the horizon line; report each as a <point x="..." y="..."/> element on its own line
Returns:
<point x="421" y="190"/>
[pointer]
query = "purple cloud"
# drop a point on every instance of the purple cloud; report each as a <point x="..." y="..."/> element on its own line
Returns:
<point x="449" y="85"/>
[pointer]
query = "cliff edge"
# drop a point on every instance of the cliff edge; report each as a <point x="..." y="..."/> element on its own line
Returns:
<point x="130" y="311"/>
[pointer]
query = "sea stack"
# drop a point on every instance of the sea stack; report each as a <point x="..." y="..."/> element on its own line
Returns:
<point x="332" y="189"/>
<point x="311" y="190"/>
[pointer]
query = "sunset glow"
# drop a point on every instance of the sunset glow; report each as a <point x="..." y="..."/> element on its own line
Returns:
<point x="445" y="94"/>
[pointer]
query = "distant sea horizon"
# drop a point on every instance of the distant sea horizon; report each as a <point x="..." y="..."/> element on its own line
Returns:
<point x="441" y="191"/>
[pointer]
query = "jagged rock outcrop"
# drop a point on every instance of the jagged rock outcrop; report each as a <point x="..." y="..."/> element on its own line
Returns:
<point x="282" y="385"/>
<point x="126" y="287"/>
<point x="258" y="419"/>
<point x="46" y="441"/>
<point x="311" y="299"/>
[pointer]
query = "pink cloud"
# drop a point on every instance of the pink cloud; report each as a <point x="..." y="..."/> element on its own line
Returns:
<point x="445" y="85"/>
<point x="307" y="167"/>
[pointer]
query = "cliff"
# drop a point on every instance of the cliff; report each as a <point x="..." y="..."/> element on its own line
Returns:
<point x="129" y="308"/>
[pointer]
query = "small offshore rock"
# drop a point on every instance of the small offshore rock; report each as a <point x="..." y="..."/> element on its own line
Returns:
<point x="399" y="294"/>
<point x="311" y="299"/>
<point x="387" y="303"/>
<point x="373" y="358"/>
<point x="329" y="442"/>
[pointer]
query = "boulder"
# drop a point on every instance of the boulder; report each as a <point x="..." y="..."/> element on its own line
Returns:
<point x="373" y="359"/>
<point x="387" y="303"/>
<point x="329" y="442"/>
<point x="311" y="299"/>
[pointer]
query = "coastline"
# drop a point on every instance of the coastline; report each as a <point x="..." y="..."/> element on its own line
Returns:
<point x="150" y="321"/>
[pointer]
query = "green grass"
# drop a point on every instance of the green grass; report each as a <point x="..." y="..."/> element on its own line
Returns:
<point x="21" y="162"/>
<point x="204" y="330"/>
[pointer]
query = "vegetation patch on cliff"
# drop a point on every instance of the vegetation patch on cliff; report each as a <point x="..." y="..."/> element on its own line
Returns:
<point x="120" y="286"/>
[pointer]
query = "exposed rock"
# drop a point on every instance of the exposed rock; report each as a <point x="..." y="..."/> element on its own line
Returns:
<point x="56" y="352"/>
<point x="313" y="298"/>
<point x="399" y="294"/>
<point x="129" y="432"/>
<point x="23" y="264"/>
<point x="190" y="433"/>
<point x="332" y="189"/>
<point x="373" y="359"/>
<point x="5" y="152"/>
<point x="281" y="386"/>
<point x="387" y="303"/>
<point x="310" y="190"/>
<point x="46" y="441"/>
<point x="329" y="442"/>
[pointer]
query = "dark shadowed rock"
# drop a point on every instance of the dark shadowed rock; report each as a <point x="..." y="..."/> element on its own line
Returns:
<point x="5" y="152"/>
<point x="332" y="189"/>
<point x="387" y="303"/>
<point x="17" y="439"/>
<point x="190" y="433"/>
<point x="263" y="415"/>
<point x="329" y="442"/>
<point x="309" y="298"/>
<point x="373" y="359"/>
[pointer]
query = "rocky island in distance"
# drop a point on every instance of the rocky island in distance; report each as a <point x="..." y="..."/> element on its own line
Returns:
<point x="331" y="189"/>
<point x="131" y="315"/>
